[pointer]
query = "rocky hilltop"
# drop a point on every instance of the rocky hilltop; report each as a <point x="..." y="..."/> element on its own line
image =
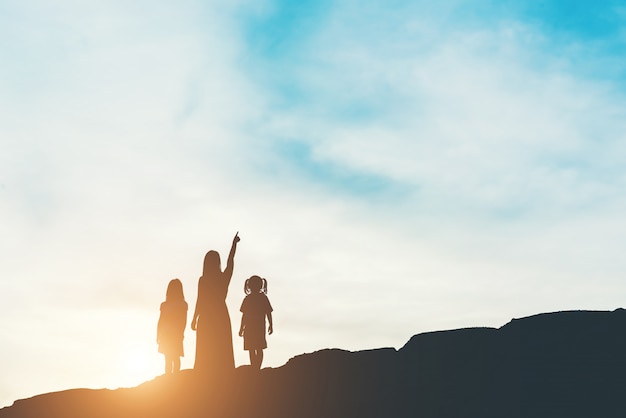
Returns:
<point x="565" y="364"/>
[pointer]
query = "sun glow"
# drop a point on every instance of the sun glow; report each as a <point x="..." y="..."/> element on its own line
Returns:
<point x="138" y="364"/>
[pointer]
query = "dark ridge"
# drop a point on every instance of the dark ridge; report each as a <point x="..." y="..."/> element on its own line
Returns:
<point x="563" y="364"/>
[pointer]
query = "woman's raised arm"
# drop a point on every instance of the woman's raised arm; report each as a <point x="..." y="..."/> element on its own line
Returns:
<point x="230" y="263"/>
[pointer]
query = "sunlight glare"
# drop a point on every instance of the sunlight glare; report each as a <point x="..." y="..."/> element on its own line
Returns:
<point x="138" y="364"/>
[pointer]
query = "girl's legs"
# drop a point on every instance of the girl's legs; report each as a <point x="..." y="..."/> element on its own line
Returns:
<point x="168" y="364"/>
<point x="259" y="357"/>
<point x="172" y="364"/>
<point x="256" y="358"/>
<point x="252" y="353"/>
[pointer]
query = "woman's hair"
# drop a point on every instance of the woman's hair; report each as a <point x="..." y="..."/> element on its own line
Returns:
<point x="212" y="264"/>
<point x="174" y="291"/>
<point x="255" y="284"/>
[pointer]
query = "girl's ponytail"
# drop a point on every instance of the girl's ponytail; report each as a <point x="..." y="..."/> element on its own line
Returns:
<point x="264" y="286"/>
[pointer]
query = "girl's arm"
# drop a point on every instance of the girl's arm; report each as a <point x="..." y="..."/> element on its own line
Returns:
<point x="241" y="327"/>
<point x="230" y="264"/>
<point x="270" y="329"/>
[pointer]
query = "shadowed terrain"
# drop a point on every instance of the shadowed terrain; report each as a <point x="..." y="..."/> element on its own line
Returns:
<point x="564" y="364"/>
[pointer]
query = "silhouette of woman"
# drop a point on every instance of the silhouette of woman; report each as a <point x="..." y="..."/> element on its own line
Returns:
<point x="214" y="339"/>
<point x="171" y="326"/>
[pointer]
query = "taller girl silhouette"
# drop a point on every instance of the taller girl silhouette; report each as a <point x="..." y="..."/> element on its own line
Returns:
<point x="214" y="339"/>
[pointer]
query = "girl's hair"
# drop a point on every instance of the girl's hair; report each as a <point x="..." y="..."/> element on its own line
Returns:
<point x="174" y="291"/>
<point x="255" y="284"/>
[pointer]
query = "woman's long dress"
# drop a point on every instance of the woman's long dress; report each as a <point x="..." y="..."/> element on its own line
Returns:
<point x="214" y="339"/>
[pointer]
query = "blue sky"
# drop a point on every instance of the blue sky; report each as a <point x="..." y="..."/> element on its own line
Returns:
<point x="392" y="168"/>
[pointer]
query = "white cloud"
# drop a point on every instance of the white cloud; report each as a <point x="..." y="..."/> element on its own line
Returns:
<point x="488" y="120"/>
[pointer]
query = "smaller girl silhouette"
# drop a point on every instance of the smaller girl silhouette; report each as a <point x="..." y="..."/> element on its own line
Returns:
<point x="255" y="307"/>
<point x="171" y="326"/>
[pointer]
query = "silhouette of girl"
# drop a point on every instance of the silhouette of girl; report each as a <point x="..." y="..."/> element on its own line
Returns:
<point x="214" y="340"/>
<point x="171" y="326"/>
<point x="255" y="307"/>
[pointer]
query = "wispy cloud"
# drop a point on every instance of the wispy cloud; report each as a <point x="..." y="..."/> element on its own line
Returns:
<point x="492" y="117"/>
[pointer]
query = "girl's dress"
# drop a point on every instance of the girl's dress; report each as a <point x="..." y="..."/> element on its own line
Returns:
<point x="171" y="328"/>
<point x="254" y="308"/>
<point x="214" y="338"/>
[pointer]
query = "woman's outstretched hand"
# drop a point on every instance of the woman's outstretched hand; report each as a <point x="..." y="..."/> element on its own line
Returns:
<point x="236" y="239"/>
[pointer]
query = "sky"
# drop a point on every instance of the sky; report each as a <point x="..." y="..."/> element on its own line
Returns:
<point x="392" y="168"/>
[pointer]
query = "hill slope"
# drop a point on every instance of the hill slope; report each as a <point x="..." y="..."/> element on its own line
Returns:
<point x="565" y="364"/>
